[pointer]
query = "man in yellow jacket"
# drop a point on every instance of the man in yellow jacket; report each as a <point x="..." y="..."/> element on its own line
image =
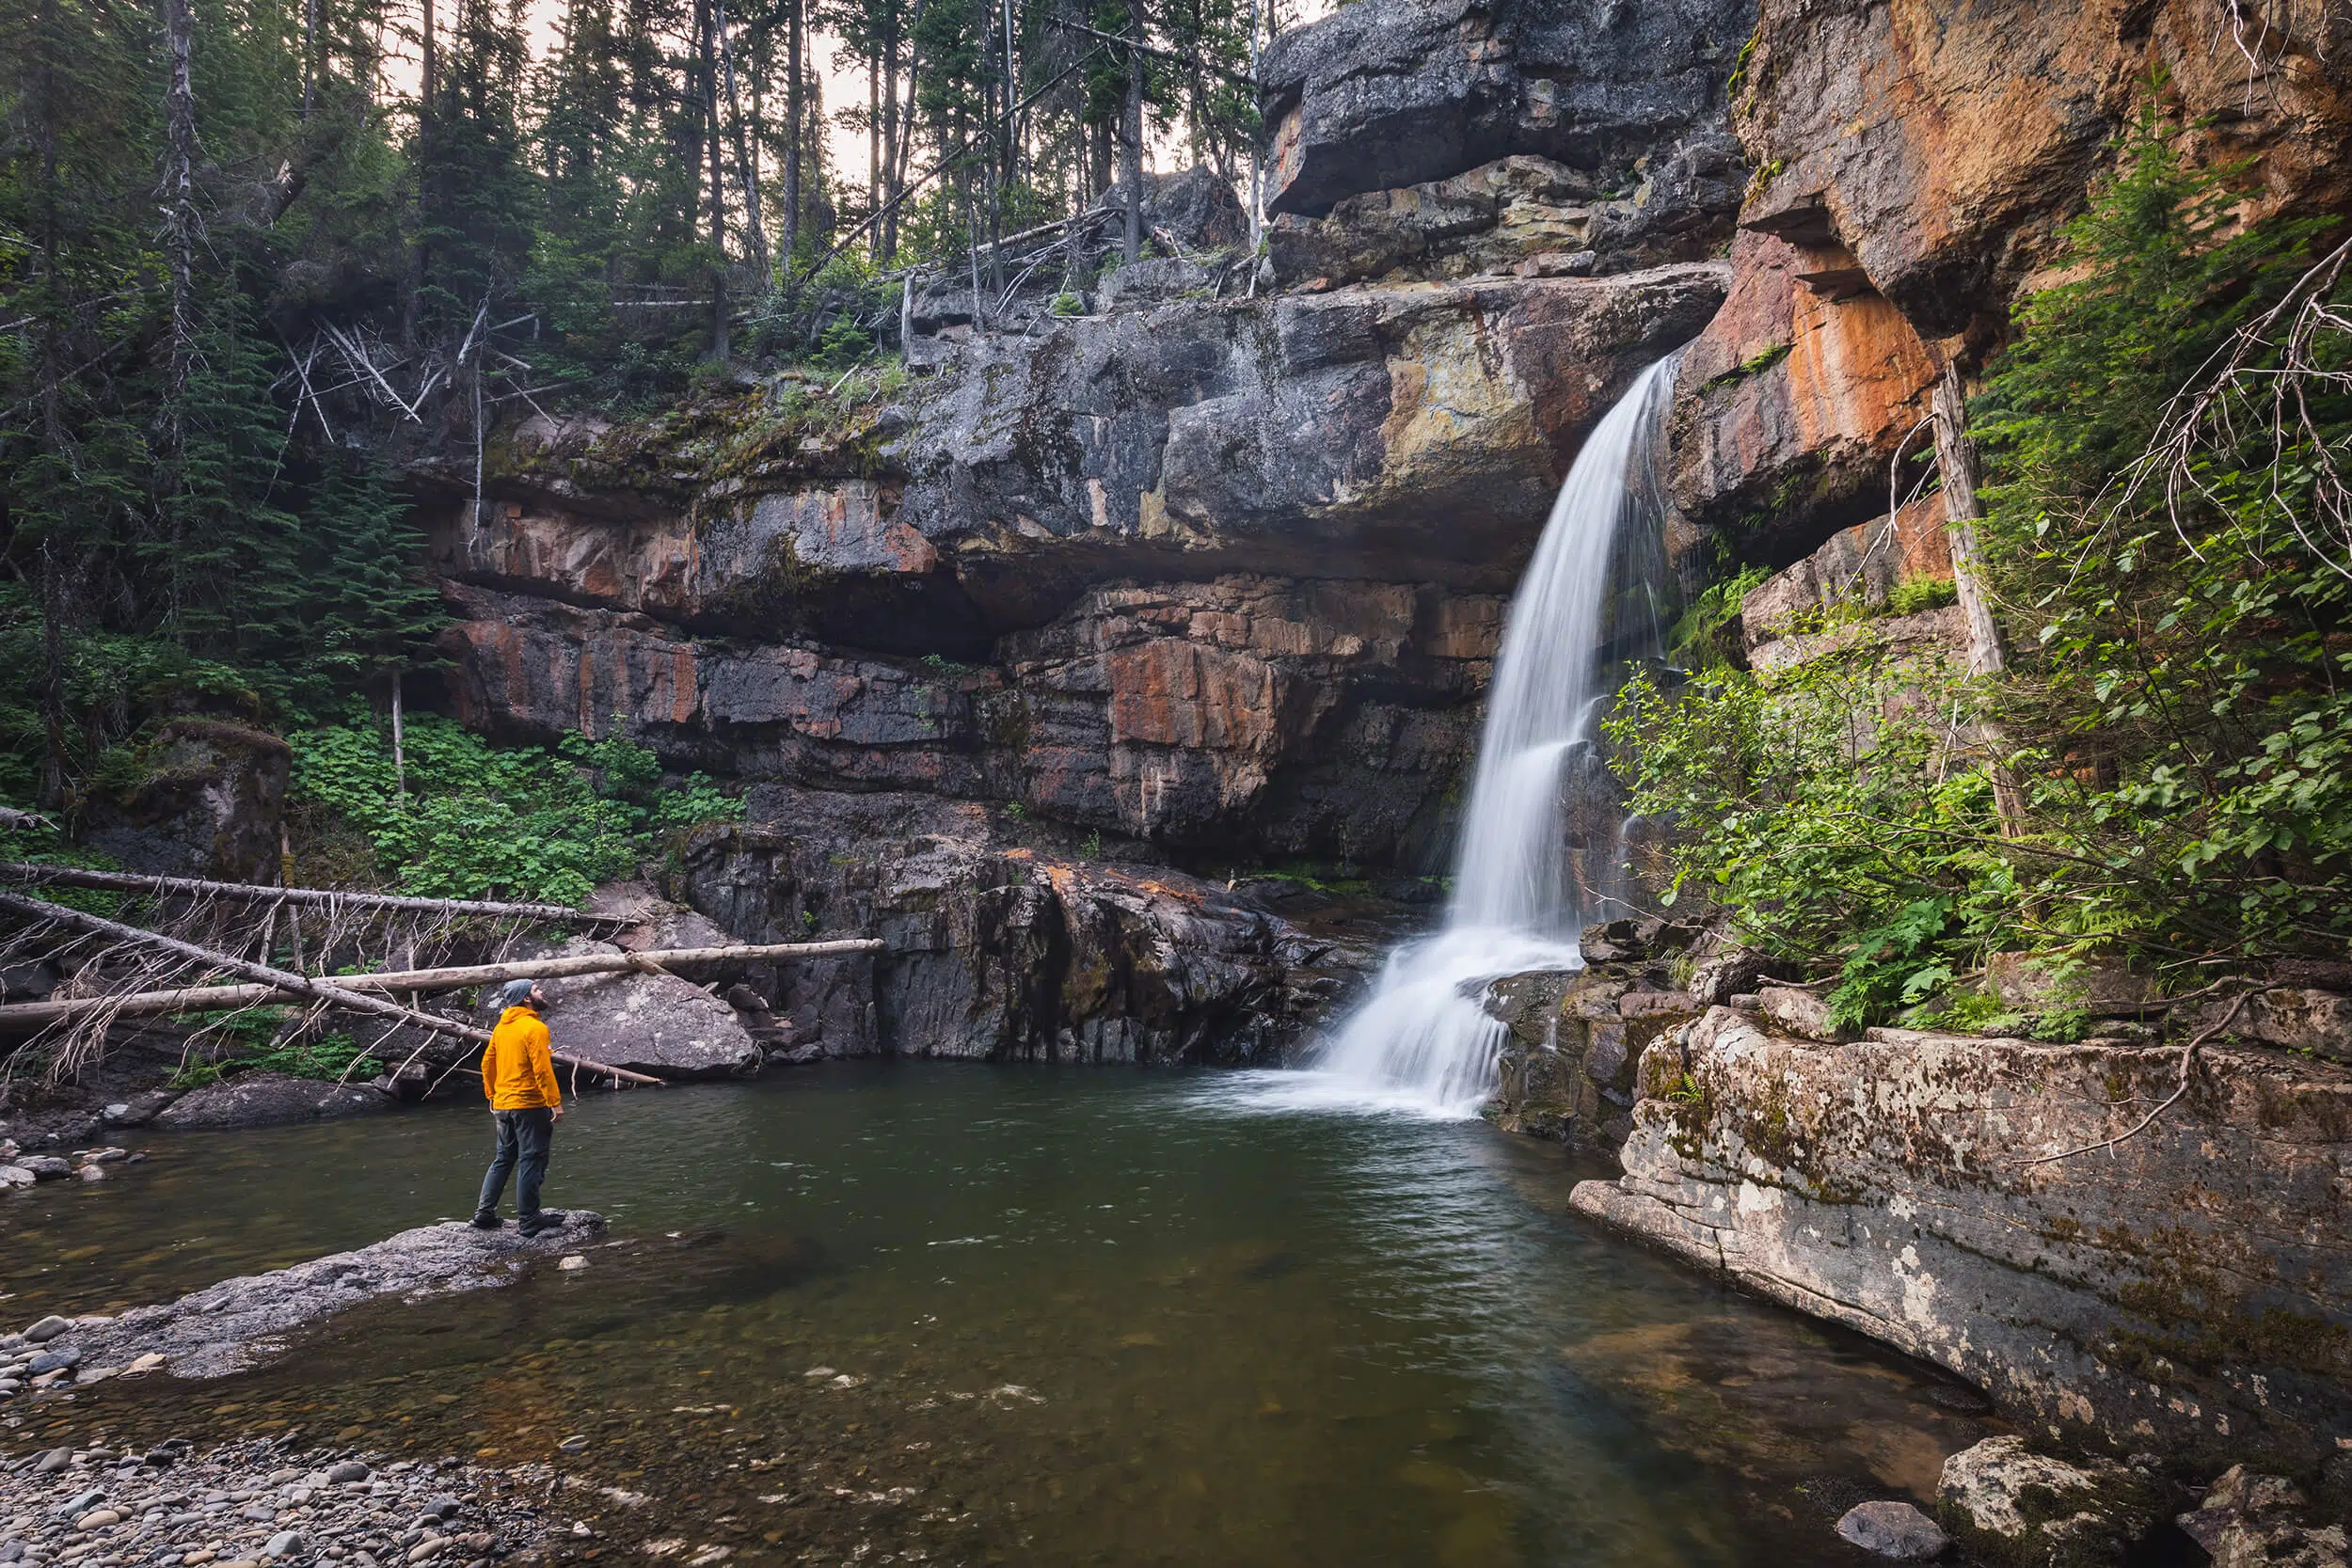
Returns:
<point x="519" y="1077"/>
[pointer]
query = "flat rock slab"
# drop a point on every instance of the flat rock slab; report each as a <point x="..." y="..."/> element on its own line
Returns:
<point x="266" y="1099"/>
<point x="239" y="1323"/>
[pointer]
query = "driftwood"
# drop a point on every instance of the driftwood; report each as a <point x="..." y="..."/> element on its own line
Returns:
<point x="192" y="887"/>
<point x="32" y="1015"/>
<point x="277" y="979"/>
<point x="11" y="818"/>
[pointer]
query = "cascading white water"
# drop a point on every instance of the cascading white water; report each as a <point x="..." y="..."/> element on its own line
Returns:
<point x="1421" y="1041"/>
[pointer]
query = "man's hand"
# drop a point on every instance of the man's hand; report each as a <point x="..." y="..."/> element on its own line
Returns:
<point x="558" y="1113"/>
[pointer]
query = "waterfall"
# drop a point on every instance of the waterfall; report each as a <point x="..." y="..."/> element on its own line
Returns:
<point x="1522" y="891"/>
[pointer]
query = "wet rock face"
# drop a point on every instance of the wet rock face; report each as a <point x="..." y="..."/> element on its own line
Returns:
<point x="2183" y="1291"/>
<point x="1254" y="715"/>
<point x="1569" y="1067"/>
<point x="1304" y="436"/>
<point x="997" y="948"/>
<point x="1389" y="93"/>
<point x="1235" y="570"/>
<point x="1791" y="403"/>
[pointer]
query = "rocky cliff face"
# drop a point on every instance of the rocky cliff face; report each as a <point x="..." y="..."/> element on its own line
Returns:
<point x="1218" y="579"/>
<point x="1913" y="164"/>
<point x="2180" y="1291"/>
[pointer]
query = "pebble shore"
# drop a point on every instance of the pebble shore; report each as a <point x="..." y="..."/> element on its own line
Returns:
<point x="256" y="1504"/>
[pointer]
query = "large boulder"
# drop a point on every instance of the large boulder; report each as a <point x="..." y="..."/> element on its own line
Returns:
<point x="2034" y="1510"/>
<point x="2251" y="1520"/>
<point x="651" y="1023"/>
<point x="1388" y="93"/>
<point x="265" y="1099"/>
<point x="2009" y="1210"/>
<point x="208" y="803"/>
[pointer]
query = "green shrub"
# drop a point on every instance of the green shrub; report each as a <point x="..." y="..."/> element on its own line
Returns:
<point x="1916" y="596"/>
<point x="2176" y="721"/>
<point x="481" y="822"/>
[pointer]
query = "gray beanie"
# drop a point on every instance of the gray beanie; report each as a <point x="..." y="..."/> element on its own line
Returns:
<point x="516" y="993"/>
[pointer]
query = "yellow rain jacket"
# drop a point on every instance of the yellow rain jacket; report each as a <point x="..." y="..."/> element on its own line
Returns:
<point x="516" y="1072"/>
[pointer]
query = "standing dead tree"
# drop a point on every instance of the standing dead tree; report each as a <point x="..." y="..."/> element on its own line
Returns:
<point x="2259" y="391"/>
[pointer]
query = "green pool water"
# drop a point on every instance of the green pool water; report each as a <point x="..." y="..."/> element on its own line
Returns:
<point x="928" y="1313"/>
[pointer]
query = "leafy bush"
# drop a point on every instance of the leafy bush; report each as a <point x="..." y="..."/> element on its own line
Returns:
<point x="2174" y="734"/>
<point x="480" y="821"/>
<point x="1915" y="596"/>
<point x="329" y="1057"/>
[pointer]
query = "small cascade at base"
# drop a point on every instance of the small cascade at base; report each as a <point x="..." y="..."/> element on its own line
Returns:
<point x="1420" y="1042"/>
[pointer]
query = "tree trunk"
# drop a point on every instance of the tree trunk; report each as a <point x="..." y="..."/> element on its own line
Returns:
<point x="886" y="186"/>
<point x="746" y="168"/>
<point x="1131" y="134"/>
<point x="793" y="105"/>
<point x="309" y="56"/>
<point x="721" y="348"/>
<point x="1257" y="160"/>
<point x="178" y="204"/>
<point x="399" y="734"/>
<point x="1956" y="459"/>
<point x="427" y="81"/>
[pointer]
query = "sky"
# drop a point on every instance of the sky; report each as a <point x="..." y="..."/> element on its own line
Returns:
<point x="844" y="85"/>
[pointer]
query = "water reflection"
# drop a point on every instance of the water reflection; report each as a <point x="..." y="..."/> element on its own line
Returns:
<point x="970" y="1314"/>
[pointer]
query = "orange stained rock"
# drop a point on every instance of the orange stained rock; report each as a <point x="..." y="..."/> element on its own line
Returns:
<point x="1173" y="693"/>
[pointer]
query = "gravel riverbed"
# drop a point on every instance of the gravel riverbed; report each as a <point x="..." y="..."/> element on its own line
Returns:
<point x="256" y="1503"/>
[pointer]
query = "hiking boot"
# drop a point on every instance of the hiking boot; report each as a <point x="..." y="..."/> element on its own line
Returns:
<point x="488" y="1221"/>
<point x="542" y="1222"/>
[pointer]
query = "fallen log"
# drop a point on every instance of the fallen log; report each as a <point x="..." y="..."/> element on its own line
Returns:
<point x="21" y="1016"/>
<point x="258" y="892"/>
<point x="279" y="979"/>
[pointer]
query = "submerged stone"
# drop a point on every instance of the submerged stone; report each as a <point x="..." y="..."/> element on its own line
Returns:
<point x="1893" y="1529"/>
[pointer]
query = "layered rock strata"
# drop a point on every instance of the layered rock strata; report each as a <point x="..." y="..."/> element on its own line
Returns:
<point x="997" y="943"/>
<point x="1913" y="164"/>
<point x="1977" y="1203"/>
<point x="1219" y="578"/>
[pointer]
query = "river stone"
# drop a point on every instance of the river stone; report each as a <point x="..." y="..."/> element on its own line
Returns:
<point x="16" y="1175"/>
<point x="2250" y="1520"/>
<point x="1893" y="1529"/>
<point x="47" y="1168"/>
<point x="2036" y="1509"/>
<point x="266" y="1099"/>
